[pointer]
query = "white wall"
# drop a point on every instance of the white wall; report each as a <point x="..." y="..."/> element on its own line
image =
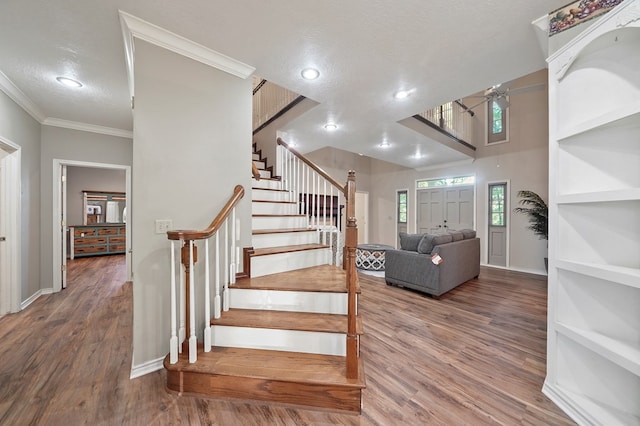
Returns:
<point x="22" y="129"/>
<point x="191" y="146"/>
<point x="68" y="144"/>
<point x="87" y="178"/>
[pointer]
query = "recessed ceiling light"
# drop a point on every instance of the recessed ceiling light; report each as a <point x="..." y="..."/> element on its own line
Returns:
<point x="310" y="73"/>
<point x="330" y="126"/>
<point x="402" y="94"/>
<point x="69" y="82"/>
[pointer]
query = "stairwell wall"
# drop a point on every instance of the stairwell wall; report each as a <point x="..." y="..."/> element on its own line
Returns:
<point x="191" y="146"/>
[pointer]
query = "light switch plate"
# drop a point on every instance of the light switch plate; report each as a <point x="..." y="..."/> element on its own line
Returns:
<point x="163" y="225"/>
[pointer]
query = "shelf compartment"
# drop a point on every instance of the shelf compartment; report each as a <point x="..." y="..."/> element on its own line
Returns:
<point x="599" y="306"/>
<point x="589" y="377"/>
<point x="614" y="87"/>
<point x="602" y="233"/>
<point x="624" y="355"/>
<point x="628" y="112"/>
<point x="615" y="274"/>
<point x="588" y="164"/>
<point x="600" y="196"/>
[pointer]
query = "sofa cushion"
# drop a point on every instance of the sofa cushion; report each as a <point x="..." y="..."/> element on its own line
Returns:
<point x="429" y="241"/>
<point x="468" y="233"/>
<point x="457" y="235"/>
<point x="409" y="241"/>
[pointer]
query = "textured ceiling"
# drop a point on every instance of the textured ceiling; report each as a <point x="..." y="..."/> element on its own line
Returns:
<point x="365" y="51"/>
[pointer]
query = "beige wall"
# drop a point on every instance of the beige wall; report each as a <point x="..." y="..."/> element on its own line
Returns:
<point x="20" y="128"/>
<point x="191" y="146"/>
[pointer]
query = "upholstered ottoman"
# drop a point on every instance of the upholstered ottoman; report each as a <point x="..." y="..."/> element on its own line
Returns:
<point x="371" y="256"/>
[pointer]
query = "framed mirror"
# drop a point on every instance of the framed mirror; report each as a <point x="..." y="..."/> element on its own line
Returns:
<point x="103" y="207"/>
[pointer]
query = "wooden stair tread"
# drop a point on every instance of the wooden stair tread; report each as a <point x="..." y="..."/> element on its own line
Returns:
<point x="323" y="278"/>
<point x="287" y="249"/>
<point x="269" y="189"/>
<point x="281" y="231"/>
<point x="286" y="320"/>
<point x="296" y="367"/>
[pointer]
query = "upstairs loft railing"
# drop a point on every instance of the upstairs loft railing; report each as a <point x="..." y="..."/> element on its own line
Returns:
<point x="270" y="101"/>
<point x="223" y="259"/>
<point x="452" y="118"/>
<point x="322" y="199"/>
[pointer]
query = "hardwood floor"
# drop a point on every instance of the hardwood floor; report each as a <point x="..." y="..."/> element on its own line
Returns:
<point x="475" y="356"/>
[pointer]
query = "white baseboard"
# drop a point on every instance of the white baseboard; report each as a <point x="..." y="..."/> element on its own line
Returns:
<point x="35" y="296"/>
<point x="527" y="271"/>
<point x="146" y="368"/>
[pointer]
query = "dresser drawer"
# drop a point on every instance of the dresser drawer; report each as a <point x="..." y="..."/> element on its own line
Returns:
<point x="114" y="240"/>
<point x="87" y="241"/>
<point x="84" y="232"/>
<point x="116" y="247"/>
<point x="108" y="231"/>
<point x="90" y="249"/>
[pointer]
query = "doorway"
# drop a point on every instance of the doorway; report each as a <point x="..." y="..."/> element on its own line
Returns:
<point x="498" y="223"/>
<point x="362" y="216"/>
<point x="61" y="213"/>
<point x="402" y="211"/>
<point x="10" y="255"/>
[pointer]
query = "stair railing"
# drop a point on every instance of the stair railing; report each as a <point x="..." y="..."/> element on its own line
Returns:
<point x="224" y="271"/>
<point x="316" y="194"/>
<point x="453" y="118"/>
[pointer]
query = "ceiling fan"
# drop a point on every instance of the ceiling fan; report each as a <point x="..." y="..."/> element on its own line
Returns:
<point x="500" y="92"/>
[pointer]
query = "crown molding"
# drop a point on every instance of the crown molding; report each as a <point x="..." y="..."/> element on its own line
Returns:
<point x="143" y="30"/>
<point x="85" y="127"/>
<point x="18" y="96"/>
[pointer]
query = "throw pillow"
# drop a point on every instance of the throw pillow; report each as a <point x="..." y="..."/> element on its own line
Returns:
<point x="429" y="241"/>
<point x="409" y="241"/>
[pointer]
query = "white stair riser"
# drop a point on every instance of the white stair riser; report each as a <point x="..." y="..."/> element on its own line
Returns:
<point x="291" y="301"/>
<point x="265" y="183"/>
<point x="284" y="239"/>
<point x="260" y="164"/>
<point x="279" y="340"/>
<point x="255" y="157"/>
<point x="282" y="262"/>
<point x="278" y="222"/>
<point x="265" y="173"/>
<point x="267" y="195"/>
<point x="274" y="208"/>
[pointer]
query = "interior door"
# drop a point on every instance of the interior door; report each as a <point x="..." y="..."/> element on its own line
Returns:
<point x="458" y="208"/>
<point x="63" y="222"/>
<point x="362" y="216"/>
<point x="430" y="210"/>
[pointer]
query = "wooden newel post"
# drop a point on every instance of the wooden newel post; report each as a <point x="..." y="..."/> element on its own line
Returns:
<point x="185" y="259"/>
<point x="351" y="240"/>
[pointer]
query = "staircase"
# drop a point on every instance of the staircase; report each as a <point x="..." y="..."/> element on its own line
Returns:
<point x="284" y="337"/>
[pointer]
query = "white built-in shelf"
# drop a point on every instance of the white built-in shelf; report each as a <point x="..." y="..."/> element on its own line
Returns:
<point x="620" y="353"/>
<point x="599" y="413"/>
<point x="627" y="194"/>
<point x="625" y="112"/>
<point x="615" y="274"/>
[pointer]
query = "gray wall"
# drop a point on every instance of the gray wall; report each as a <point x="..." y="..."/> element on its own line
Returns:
<point x="67" y="144"/>
<point x="88" y="178"/>
<point x="21" y="129"/>
<point x="192" y="145"/>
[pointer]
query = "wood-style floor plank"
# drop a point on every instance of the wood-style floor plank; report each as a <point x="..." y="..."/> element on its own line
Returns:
<point x="475" y="356"/>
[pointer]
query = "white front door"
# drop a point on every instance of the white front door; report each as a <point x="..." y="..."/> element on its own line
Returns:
<point x="458" y="208"/>
<point x="430" y="210"/>
<point x="445" y="209"/>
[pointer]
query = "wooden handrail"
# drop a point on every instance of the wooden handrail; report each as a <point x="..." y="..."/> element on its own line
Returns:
<point x="317" y="169"/>
<point x="238" y="193"/>
<point x="254" y="171"/>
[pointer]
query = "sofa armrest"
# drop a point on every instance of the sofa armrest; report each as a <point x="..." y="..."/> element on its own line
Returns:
<point x="460" y="263"/>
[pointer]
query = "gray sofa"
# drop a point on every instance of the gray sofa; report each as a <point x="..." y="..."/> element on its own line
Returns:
<point x="412" y="267"/>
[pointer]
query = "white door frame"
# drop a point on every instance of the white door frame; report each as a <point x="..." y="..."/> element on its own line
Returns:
<point x="57" y="211"/>
<point x="507" y="206"/>
<point x="10" y="193"/>
<point x="397" y="218"/>
<point x="475" y="197"/>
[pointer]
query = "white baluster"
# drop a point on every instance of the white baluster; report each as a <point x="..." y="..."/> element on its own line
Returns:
<point x="216" y="302"/>
<point x="173" y="342"/>
<point x="331" y="259"/>
<point x="182" y="332"/>
<point x="193" y="340"/>
<point x="207" y="299"/>
<point x="225" y="285"/>
<point x="232" y="266"/>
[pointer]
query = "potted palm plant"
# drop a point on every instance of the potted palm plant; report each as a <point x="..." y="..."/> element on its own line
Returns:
<point x="534" y="206"/>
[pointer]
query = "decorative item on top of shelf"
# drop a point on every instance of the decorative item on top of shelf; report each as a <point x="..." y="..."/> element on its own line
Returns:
<point x="538" y="212"/>
<point x="577" y="12"/>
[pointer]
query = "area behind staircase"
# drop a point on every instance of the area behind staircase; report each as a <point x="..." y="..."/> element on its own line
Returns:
<point x="284" y="337"/>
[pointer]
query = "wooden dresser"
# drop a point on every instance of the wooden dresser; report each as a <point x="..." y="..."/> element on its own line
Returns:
<point x="95" y="240"/>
